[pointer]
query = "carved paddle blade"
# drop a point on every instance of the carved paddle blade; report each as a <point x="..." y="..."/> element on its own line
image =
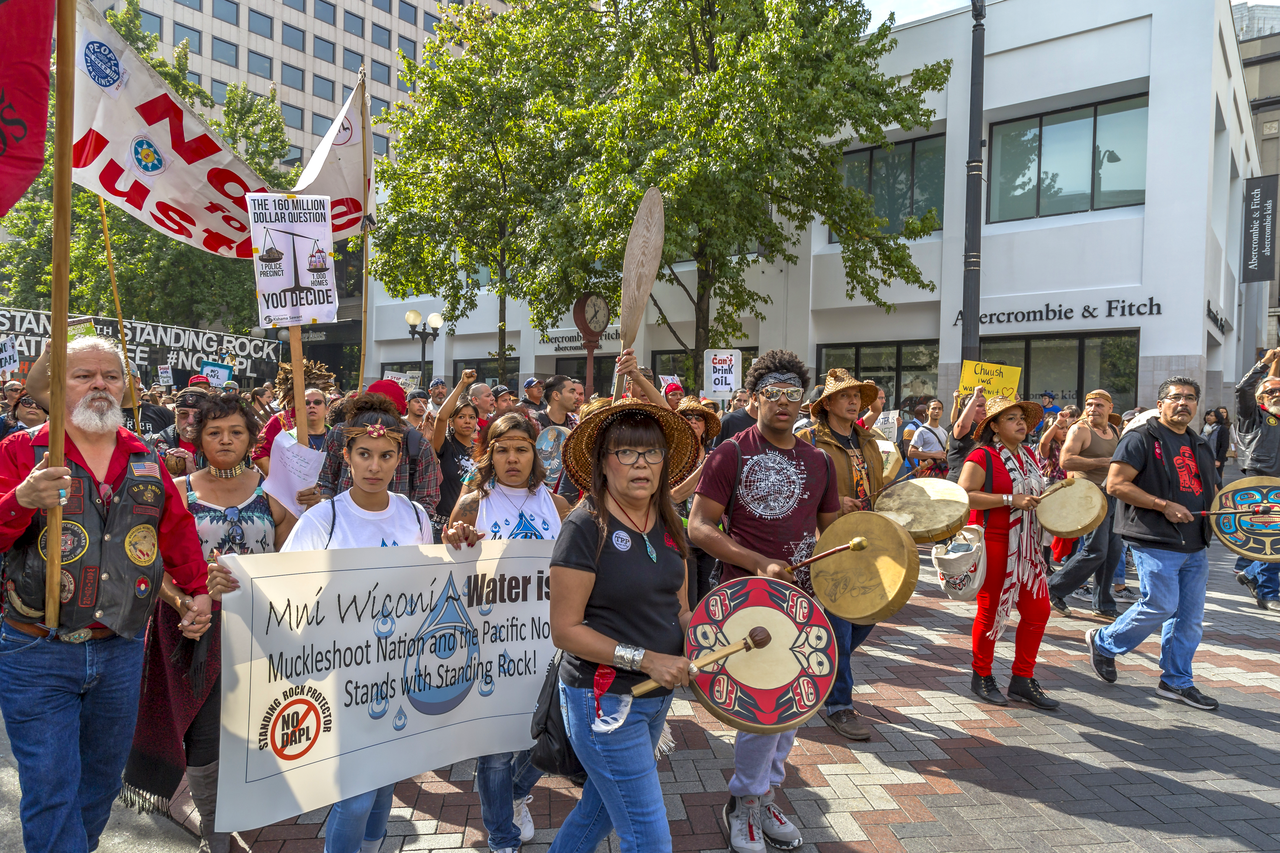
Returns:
<point x="639" y="269"/>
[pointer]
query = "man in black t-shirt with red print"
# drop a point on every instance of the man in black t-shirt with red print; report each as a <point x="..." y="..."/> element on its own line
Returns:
<point x="781" y="496"/>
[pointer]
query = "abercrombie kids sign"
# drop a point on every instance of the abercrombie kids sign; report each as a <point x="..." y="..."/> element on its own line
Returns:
<point x="1259" y="262"/>
<point x="1051" y="313"/>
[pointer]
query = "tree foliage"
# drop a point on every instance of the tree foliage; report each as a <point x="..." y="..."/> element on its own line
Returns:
<point x="737" y="110"/>
<point x="160" y="279"/>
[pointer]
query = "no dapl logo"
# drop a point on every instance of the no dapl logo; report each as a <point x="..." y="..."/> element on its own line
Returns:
<point x="294" y="722"/>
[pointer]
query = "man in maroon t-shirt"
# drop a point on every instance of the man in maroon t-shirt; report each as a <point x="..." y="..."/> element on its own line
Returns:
<point x="783" y="497"/>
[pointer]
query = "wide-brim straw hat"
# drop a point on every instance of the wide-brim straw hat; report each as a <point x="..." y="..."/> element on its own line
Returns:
<point x="709" y="418"/>
<point x="837" y="380"/>
<point x="681" y="442"/>
<point x="1034" y="412"/>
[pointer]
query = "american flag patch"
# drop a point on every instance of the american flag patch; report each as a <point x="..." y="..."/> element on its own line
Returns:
<point x="145" y="469"/>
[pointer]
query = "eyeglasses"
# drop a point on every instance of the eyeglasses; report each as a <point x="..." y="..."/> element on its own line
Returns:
<point x="310" y="403"/>
<point x="1272" y="393"/>
<point x="1181" y="398"/>
<point x="628" y="456"/>
<point x="773" y="395"/>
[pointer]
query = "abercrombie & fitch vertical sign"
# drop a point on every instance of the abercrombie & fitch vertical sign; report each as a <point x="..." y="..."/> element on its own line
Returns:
<point x="1259" y="262"/>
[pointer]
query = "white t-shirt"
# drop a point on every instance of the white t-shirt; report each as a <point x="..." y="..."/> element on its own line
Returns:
<point x="509" y="513"/>
<point x="354" y="527"/>
<point x="926" y="439"/>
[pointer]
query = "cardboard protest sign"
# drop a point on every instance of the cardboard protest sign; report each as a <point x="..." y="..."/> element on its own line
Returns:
<point x="721" y="372"/>
<point x="217" y="373"/>
<point x="292" y="259"/>
<point x="997" y="379"/>
<point x="8" y="353"/>
<point x="346" y="670"/>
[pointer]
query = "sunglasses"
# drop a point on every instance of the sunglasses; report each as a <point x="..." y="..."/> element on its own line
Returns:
<point x="773" y="395"/>
<point x="29" y="402"/>
<point x="692" y="418"/>
<point x="315" y="403"/>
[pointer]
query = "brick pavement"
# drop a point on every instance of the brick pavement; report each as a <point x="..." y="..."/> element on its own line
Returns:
<point x="1117" y="769"/>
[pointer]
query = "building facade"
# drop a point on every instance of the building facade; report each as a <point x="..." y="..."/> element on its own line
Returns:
<point x="1118" y="143"/>
<point x="1260" y="55"/>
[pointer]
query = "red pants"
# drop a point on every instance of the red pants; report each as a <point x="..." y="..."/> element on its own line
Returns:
<point x="1033" y="615"/>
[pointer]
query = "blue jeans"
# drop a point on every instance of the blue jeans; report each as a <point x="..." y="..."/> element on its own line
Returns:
<point x="1267" y="577"/>
<point x="69" y="710"/>
<point x="848" y="637"/>
<point x="357" y="819"/>
<point x="1117" y="579"/>
<point x="1093" y="558"/>
<point x="622" y="790"/>
<point x="1173" y="588"/>
<point x="501" y="779"/>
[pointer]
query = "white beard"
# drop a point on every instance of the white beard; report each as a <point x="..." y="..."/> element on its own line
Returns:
<point x="1274" y="409"/>
<point x="84" y="417"/>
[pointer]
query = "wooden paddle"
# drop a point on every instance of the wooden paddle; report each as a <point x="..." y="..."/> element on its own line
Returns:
<point x="757" y="638"/>
<point x="639" y="269"/>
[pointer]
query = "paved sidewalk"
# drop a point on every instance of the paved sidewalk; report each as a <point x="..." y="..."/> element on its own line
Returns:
<point x="1116" y="769"/>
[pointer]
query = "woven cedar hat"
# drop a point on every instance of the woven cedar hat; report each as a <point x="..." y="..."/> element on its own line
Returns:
<point x="681" y="441"/>
<point x="837" y="380"/>
<point x="1033" y="411"/>
<point x="709" y="418"/>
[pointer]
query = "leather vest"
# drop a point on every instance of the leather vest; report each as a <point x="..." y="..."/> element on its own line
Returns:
<point x="111" y="565"/>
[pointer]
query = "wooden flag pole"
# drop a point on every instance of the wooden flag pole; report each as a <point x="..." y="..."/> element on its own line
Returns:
<point x="299" y="385"/>
<point x="124" y="344"/>
<point x="60" y="287"/>
<point x="364" y="228"/>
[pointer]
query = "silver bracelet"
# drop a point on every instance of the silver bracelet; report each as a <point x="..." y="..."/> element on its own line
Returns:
<point x="627" y="657"/>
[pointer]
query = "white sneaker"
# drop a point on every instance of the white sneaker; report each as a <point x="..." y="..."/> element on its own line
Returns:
<point x="778" y="831"/>
<point x="742" y="817"/>
<point x="523" y="819"/>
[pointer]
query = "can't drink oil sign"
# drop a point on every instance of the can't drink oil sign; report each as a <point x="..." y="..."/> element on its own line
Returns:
<point x="721" y="372"/>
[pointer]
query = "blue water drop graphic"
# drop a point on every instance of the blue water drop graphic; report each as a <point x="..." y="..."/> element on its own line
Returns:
<point x="486" y="685"/>
<point x="385" y="626"/>
<point x="378" y="707"/>
<point x="436" y="688"/>
<point x="400" y="720"/>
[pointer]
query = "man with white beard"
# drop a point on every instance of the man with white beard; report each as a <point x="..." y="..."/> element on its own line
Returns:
<point x="1258" y="442"/>
<point x="70" y="697"/>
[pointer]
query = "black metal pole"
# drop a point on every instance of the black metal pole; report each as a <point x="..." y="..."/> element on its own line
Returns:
<point x="422" y="364"/>
<point x="972" y="299"/>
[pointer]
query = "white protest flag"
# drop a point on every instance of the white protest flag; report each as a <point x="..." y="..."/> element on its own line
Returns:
<point x="335" y="169"/>
<point x="345" y="670"/>
<point x="143" y="149"/>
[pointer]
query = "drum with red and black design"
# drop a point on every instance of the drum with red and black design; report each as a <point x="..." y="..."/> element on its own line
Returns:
<point x="771" y="689"/>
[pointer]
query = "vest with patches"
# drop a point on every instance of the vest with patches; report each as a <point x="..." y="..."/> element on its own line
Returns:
<point x="111" y="565"/>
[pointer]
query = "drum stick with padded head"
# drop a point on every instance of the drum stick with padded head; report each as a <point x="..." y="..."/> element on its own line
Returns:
<point x="1057" y="487"/>
<point x="757" y="638"/>
<point x="857" y="543"/>
<point x="1258" y="510"/>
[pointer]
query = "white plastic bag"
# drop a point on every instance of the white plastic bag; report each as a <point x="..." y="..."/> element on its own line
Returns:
<point x="961" y="564"/>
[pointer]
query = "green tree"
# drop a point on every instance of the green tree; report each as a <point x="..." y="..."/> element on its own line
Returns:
<point x="159" y="278"/>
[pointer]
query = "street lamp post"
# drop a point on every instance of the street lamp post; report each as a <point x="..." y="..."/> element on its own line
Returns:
<point x="428" y="331"/>
<point x="972" y="297"/>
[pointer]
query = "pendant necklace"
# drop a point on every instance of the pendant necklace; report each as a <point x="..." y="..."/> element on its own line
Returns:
<point x="653" y="555"/>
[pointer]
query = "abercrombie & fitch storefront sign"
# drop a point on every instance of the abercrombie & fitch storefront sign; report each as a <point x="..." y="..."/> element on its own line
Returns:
<point x="1259" y="263"/>
<point x="1059" y="313"/>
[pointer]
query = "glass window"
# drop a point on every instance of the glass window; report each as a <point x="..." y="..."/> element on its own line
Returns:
<point x="879" y="364"/>
<point x="377" y="106"/>
<point x="919" y="367"/>
<point x="325" y="11"/>
<point x="227" y="10"/>
<point x="218" y="90"/>
<point x="1015" y="162"/>
<point x="1120" y="176"/>
<point x="906" y="180"/>
<point x="291" y="76"/>
<point x="346" y="92"/>
<point x="408" y="13"/>
<point x="293" y="37"/>
<point x="322" y="48"/>
<point x="381" y="145"/>
<point x="292" y="116"/>
<point x="381" y="36"/>
<point x="384" y="5"/>
<point x="320" y="124"/>
<point x="838" y="355"/>
<point x="226" y="52"/>
<point x="1111" y="362"/>
<point x="662" y="363"/>
<point x="153" y="24"/>
<point x="191" y="36"/>
<point x="300" y="5"/>
<point x="353" y="24"/>
<point x="1009" y="351"/>
<point x="260" y="24"/>
<point x="908" y="372"/>
<point x="1065" y="142"/>
<point x="930" y="163"/>
<point x="192" y="4"/>
<point x="193" y="78"/>
<point x="352" y="60"/>
<point x="602" y="378"/>
<point x="891" y="185"/>
<point x="429" y="22"/>
<point x="293" y="158"/>
<point x="408" y="47"/>
<point x="402" y="86"/>
<point x="1054" y="367"/>
<point x="381" y="72"/>
<point x="322" y="87"/>
<point x="259" y="65"/>
<point x="487" y="370"/>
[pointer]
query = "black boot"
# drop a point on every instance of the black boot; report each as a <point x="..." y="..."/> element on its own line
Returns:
<point x="203" y="782"/>
<point x="1028" y="690"/>
<point x="986" y="689"/>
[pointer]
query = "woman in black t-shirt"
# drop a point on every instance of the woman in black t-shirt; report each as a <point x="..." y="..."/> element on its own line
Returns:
<point x="452" y="440"/>
<point x="620" y="613"/>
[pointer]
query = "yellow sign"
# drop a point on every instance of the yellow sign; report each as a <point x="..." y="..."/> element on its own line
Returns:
<point x="999" y="380"/>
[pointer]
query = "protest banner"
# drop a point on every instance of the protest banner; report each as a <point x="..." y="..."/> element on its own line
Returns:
<point x="997" y="379"/>
<point x="404" y="380"/>
<point x="346" y="670"/>
<point x="8" y="354"/>
<point x="721" y="372"/>
<point x="336" y="169"/>
<point x="218" y="373"/>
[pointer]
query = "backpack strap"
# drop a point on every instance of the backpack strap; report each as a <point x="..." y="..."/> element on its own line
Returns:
<point x="733" y="489"/>
<point x="333" y="522"/>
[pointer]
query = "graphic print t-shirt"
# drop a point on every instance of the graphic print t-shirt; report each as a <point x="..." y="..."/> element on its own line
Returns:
<point x="354" y="527"/>
<point x="1189" y="487"/>
<point x="778" y="498"/>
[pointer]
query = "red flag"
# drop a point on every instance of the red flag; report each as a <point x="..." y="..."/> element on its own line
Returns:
<point x="26" y="38"/>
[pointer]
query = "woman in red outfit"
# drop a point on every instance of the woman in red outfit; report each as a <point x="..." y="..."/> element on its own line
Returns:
<point x="1004" y="483"/>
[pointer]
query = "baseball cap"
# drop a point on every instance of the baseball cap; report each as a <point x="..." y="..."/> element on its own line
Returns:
<point x="199" y="379"/>
<point x="672" y="387"/>
<point x="531" y="381"/>
<point x="499" y="390"/>
<point x="437" y="383"/>
<point x="392" y="391"/>
<point x="417" y="394"/>
<point x="231" y="386"/>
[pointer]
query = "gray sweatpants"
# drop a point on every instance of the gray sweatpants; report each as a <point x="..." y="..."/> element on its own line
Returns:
<point x="759" y="762"/>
